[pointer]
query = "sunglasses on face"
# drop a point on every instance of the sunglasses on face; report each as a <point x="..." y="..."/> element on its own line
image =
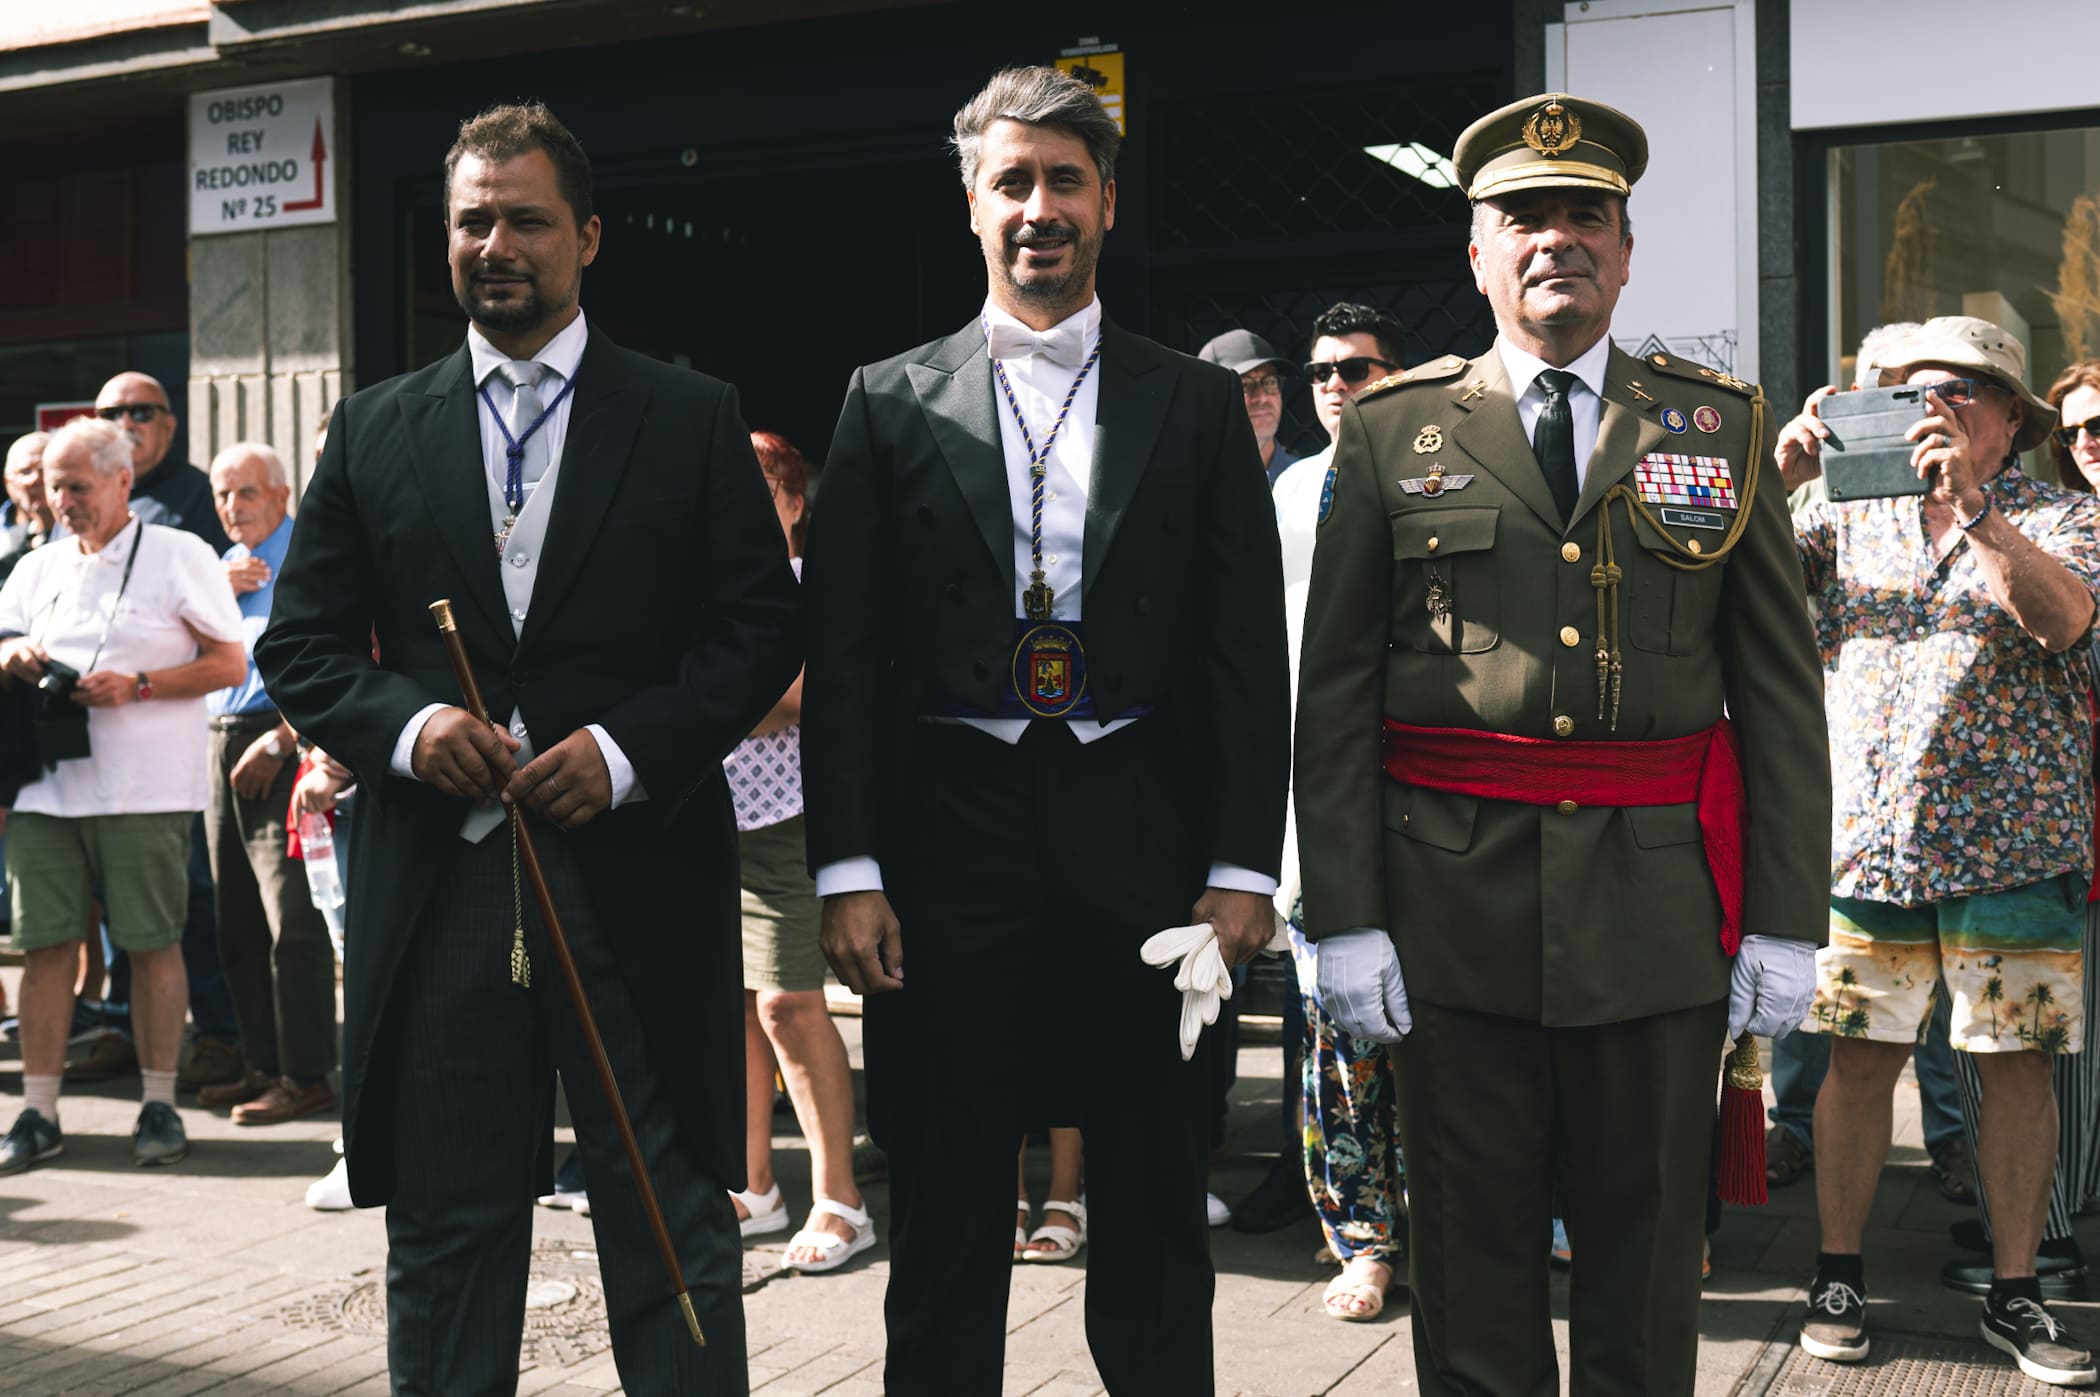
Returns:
<point x="1960" y="392"/>
<point x="1268" y="385"/>
<point x="1353" y="370"/>
<point x="140" y="413"/>
<point x="2067" y="435"/>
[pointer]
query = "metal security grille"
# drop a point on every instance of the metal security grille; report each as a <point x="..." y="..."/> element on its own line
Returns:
<point x="1290" y="166"/>
<point x="1264" y="211"/>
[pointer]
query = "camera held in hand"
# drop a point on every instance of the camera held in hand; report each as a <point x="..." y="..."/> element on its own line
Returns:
<point x="61" y="724"/>
<point x="58" y="681"/>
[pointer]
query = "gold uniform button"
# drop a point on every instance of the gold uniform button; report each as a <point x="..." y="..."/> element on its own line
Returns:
<point x="1563" y="725"/>
<point x="1571" y="552"/>
<point x="1692" y="544"/>
<point x="1566" y="807"/>
<point x="1432" y="543"/>
<point x="1570" y="637"/>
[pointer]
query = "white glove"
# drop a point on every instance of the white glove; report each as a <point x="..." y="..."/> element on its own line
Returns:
<point x="1200" y="975"/>
<point x="1770" y="987"/>
<point x="1360" y="984"/>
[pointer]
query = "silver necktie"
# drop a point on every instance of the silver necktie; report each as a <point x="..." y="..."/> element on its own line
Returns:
<point x="525" y="409"/>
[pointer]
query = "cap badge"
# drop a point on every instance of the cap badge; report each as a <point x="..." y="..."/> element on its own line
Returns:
<point x="1429" y="440"/>
<point x="1552" y="130"/>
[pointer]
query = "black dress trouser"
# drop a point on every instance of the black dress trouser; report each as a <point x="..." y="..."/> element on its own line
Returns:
<point x="474" y="1061"/>
<point x="1035" y="874"/>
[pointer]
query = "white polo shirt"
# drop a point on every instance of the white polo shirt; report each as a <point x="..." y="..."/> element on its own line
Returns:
<point x="147" y="758"/>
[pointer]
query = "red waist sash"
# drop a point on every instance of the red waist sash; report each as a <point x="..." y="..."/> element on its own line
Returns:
<point x="1703" y="767"/>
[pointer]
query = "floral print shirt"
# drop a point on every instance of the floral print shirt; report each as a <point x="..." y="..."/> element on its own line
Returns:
<point x="1960" y="750"/>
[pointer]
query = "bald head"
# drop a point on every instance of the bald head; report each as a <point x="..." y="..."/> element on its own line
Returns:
<point x="138" y="404"/>
<point x="250" y="491"/>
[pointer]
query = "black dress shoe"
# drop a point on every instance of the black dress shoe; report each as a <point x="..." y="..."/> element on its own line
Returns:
<point x="1280" y="1199"/>
<point x="2060" y="1266"/>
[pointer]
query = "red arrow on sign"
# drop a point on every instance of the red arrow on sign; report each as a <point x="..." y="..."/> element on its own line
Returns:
<point x="319" y="156"/>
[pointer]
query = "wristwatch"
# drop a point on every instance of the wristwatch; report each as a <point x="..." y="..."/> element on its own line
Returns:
<point x="145" y="687"/>
<point x="275" y="747"/>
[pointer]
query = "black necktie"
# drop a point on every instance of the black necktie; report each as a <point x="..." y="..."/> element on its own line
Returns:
<point x="1553" y="440"/>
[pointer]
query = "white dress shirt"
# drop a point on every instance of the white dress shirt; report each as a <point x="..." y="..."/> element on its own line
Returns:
<point x="147" y="758"/>
<point x="559" y="357"/>
<point x="1585" y="397"/>
<point x="1040" y="383"/>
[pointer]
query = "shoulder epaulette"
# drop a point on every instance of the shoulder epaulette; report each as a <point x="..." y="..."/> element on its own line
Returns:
<point x="1700" y="374"/>
<point x="1435" y="369"/>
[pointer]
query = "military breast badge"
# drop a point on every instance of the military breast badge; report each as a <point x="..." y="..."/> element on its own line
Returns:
<point x="1673" y="420"/>
<point x="1429" y="440"/>
<point x="1664" y="477"/>
<point x="1436" y="482"/>
<point x="1706" y="419"/>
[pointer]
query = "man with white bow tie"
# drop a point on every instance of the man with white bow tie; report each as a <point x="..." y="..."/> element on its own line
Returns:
<point x="1045" y="717"/>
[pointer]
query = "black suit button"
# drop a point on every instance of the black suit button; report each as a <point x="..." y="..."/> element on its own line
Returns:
<point x="518" y="678"/>
<point x="953" y="593"/>
<point x="981" y="670"/>
<point x="926" y="515"/>
<point x="1144" y="606"/>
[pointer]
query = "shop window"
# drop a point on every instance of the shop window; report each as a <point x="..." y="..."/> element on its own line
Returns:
<point x="2005" y="226"/>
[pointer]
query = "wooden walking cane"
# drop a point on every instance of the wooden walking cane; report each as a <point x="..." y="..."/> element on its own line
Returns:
<point x="529" y="857"/>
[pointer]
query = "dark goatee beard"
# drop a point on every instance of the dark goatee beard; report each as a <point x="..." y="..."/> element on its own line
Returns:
<point x="506" y="317"/>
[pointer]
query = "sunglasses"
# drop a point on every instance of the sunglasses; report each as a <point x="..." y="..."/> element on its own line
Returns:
<point x="1353" y="371"/>
<point x="1960" y="392"/>
<point x="140" y="413"/>
<point x="2067" y="435"/>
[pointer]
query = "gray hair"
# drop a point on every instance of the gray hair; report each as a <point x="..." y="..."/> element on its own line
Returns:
<point x="1480" y="217"/>
<point x="273" y="464"/>
<point x="1877" y="351"/>
<point x="1037" y="97"/>
<point x="23" y="445"/>
<point x="107" y="445"/>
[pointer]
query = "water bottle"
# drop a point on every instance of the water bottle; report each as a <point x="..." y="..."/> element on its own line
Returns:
<point x="323" y="882"/>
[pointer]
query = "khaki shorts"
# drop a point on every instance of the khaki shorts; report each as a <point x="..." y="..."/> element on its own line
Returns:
<point x="2013" y="963"/>
<point x="780" y="910"/>
<point x="140" y="862"/>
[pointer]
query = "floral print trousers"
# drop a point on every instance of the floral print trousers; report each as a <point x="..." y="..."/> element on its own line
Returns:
<point x="1351" y="1135"/>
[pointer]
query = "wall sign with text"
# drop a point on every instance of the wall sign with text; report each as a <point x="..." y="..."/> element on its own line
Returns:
<point x="260" y="157"/>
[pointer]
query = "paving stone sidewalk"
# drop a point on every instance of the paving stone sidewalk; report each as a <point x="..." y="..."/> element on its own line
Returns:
<point x="214" y="1277"/>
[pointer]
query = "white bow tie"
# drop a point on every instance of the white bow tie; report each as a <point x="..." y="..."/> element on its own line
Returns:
<point x="1063" y="343"/>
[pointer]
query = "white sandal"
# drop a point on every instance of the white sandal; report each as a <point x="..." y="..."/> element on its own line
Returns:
<point x="1021" y="1206"/>
<point x="765" y="1212"/>
<point x="832" y="1250"/>
<point x="1065" y="1242"/>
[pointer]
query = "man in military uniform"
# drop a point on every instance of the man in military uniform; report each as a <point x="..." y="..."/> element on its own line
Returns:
<point x="1544" y="576"/>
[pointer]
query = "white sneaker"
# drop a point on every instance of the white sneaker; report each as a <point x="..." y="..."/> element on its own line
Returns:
<point x="332" y="1193"/>
<point x="1220" y="1211"/>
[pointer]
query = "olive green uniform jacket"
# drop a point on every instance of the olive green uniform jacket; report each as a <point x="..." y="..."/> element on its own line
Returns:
<point x="1471" y="606"/>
